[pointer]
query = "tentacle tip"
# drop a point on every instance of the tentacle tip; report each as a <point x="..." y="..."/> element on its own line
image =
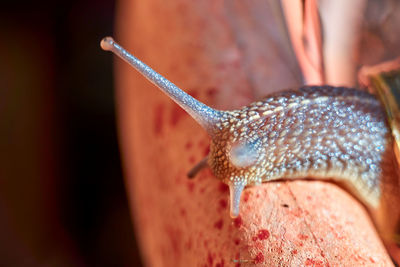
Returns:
<point x="235" y="194"/>
<point x="234" y="213"/>
<point x="107" y="43"/>
<point x="191" y="175"/>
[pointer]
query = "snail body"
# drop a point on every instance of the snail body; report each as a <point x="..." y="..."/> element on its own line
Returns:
<point x="319" y="132"/>
<point x="325" y="132"/>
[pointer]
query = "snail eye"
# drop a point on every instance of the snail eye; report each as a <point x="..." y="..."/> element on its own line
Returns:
<point x="244" y="154"/>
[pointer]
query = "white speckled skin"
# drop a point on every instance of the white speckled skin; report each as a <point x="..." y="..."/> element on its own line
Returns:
<point x="323" y="132"/>
<point x="318" y="132"/>
<point x="315" y="132"/>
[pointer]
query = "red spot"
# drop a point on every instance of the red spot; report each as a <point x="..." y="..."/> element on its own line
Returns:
<point x="237" y="265"/>
<point x="371" y="259"/>
<point x="183" y="212"/>
<point x="309" y="197"/>
<point x="294" y="251"/>
<point x="314" y="263"/>
<point x="206" y="151"/>
<point x="223" y="203"/>
<point x="210" y="259"/>
<point x="158" y="119"/>
<point x="238" y="222"/>
<point x="254" y="238"/>
<point x="259" y="258"/>
<point x="192" y="159"/>
<point x="190" y="186"/>
<point x="177" y="113"/>
<point x="211" y="92"/>
<point x="236" y="241"/>
<point x="188" y="245"/>
<point x="220" y="264"/>
<point x="302" y="237"/>
<point x="223" y="188"/>
<point x="188" y="145"/>
<point x="263" y="234"/>
<point x="219" y="224"/>
<point x="246" y="196"/>
<point x="308" y="262"/>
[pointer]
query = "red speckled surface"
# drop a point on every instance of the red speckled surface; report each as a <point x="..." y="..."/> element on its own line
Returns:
<point x="226" y="54"/>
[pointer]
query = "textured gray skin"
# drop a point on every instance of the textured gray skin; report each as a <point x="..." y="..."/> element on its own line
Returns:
<point x="315" y="132"/>
<point x="203" y="114"/>
<point x="319" y="132"/>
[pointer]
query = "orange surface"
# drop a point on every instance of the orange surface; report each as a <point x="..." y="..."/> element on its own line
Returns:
<point x="225" y="59"/>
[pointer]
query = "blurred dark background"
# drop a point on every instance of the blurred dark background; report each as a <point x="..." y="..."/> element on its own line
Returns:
<point x="62" y="195"/>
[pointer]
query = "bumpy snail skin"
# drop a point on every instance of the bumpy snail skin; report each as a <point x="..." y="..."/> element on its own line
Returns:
<point x="330" y="133"/>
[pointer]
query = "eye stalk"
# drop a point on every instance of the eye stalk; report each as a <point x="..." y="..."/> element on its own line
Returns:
<point x="203" y="114"/>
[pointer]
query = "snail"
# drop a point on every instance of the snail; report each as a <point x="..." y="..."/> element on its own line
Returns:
<point x="319" y="132"/>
